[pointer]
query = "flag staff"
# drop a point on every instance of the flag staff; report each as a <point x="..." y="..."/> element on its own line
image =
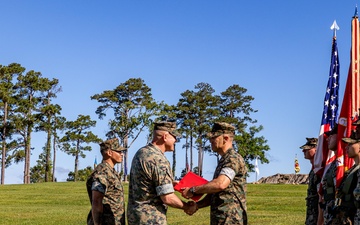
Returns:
<point x="335" y="27"/>
<point x="356" y="11"/>
<point x="256" y="168"/>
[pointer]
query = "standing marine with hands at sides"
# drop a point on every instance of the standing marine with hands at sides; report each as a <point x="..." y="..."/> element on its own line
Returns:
<point x="151" y="187"/>
<point x="105" y="189"/>
<point x="226" y="193"/>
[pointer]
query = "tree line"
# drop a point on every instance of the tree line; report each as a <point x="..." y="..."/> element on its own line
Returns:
<point x="26" y="106"/>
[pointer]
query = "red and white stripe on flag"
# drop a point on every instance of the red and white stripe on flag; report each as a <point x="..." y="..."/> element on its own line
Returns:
<point x="350" y="105"/>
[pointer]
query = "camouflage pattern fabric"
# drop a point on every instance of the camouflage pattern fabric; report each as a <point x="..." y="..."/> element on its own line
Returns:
<point x="345" y="213"/>
<point x="150" y="177"/>
<point x="330" y="175"/>
<point x="113" y="201"/>
<point x="229" y="205"/>
<point x="312" y="199"/>
<point x="357" y="199"/>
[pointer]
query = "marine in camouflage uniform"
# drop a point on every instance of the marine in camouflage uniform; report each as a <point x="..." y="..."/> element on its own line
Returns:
<point x="312" y="198"/>
<point x="227" y="206"/>
<point x="329" y="187"/>
<point x="345" y="208"/>
<point x="105" y="180"/>
<point x="151" y="178"/>
<point x="328" y="180"/>
<point x="234" y="196"/>
<point x="357" y="199"/>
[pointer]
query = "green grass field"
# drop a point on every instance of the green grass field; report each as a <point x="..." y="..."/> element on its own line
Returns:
<point x="67" y="203"/>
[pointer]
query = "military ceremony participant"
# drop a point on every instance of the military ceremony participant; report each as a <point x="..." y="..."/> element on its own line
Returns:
<point x="328" y="180"/>
<point x="312" y="198"/>
<point x="151" y="181"/>
<point x="105" y="189"/>
<point x="226" y="193"/>
<point x="357" y="198"/>
<point x="344" y="207"/>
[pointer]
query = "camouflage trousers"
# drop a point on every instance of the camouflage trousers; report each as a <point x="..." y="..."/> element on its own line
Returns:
<point x="357" y="217"/>
<point x="328" y="213"/>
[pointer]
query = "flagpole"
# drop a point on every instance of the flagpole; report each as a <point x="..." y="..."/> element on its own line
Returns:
<point x="256" y="169"/>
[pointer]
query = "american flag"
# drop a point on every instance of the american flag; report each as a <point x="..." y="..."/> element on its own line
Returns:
<point x="323" y="156"/>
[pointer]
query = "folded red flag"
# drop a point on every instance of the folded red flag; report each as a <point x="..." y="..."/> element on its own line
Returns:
<point x="190" y="180"/>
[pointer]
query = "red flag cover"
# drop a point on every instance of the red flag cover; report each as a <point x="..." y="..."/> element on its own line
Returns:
<point x="189" y="180"/>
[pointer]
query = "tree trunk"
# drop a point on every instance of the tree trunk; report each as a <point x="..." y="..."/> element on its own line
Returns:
<point x="187" y="168"/>
<point x="27" y="156"/>
<point x="76" y="160"/>
<point x="200" y="160"/>
<point x="3" y="158"/>
<point x="191" y="151"/>
<point x="54" y="156"/>
<point x="125" y="162"/>
<point x="48" y="153"/>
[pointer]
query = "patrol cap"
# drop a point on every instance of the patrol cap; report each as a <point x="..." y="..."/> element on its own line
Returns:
<point x="112" y="144"/>
<point x="167" y="126"/>
<point x="352" y="139"/>
<point x="220" y="128"/>
<point x="333" y="131"/>
<point x="310" y="143"/>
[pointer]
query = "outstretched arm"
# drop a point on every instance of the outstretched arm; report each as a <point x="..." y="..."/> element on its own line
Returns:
<point x="214" y="186"/>
<point x="172" y="200"/>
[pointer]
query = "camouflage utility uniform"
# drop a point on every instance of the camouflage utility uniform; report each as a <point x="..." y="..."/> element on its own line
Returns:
<point x="312" y="199"/>
<point x="150" y="177"/>
<point x="229" y="205"/>
<point x="357" y="199"/>
<point x="329" y="187"/>
<point x="345" y="211"/>
<point x="107" y="181"/>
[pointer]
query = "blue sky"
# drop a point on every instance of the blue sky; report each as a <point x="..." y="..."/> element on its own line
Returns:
<point x="278" y="50"/>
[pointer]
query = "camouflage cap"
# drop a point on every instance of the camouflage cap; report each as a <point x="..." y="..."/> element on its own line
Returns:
<point x="332" y="131"/>
<point x="167" y="126"/>
<point x="352" y="139"/>
<point x="310" y="143"/>
<point x="220" y="128"/>
<point x="112" y="144"/>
